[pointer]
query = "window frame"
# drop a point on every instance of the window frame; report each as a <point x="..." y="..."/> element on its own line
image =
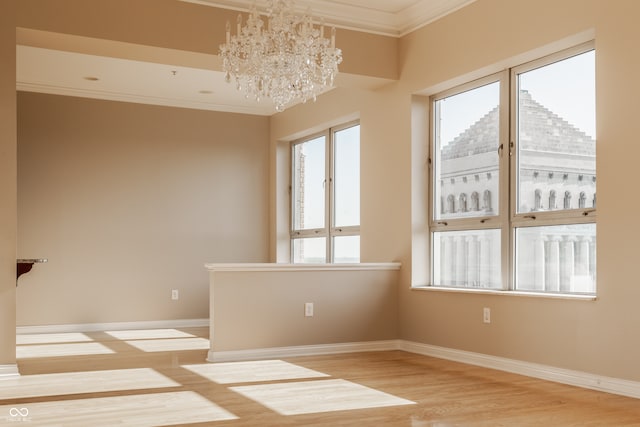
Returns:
<point x="541" y="218"/>
<point x="330" y="231"/>
<point x="506" y="218"/>
<point x="500" y="219"/>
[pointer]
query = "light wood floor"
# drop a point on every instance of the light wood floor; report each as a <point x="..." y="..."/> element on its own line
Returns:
<point x="160" y="377"/>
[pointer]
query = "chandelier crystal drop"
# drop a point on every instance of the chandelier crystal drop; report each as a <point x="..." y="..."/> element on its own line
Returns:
<point x="286" y="59"/>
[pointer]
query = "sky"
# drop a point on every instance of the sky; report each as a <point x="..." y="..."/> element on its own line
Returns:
<point x="567" y="88"/>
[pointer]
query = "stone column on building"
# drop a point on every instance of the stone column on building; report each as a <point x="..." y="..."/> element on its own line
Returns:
<point x="582" y="256"/>
<point x="472" y="261"/>
<point x="539" y="265"/>
<point x="446" y="260"/>
<point x="553" y="264"/>
<point x="461" y="261"/>
<point x="567" y="266"/>
<point x="485" y="261"/>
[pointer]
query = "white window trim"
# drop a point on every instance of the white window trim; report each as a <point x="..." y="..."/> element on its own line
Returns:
<point x="507" y="218"/>
<point x="329" y="231"/>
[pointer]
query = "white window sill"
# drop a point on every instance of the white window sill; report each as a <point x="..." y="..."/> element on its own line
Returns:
<point x="579" y="297"/>
<point x="302" y="267"/>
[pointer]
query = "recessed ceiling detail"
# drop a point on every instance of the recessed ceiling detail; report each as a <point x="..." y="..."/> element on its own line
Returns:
<point x="70" y="65"/>
<point x="390" y="18"/>
<point x="58" y="72"/>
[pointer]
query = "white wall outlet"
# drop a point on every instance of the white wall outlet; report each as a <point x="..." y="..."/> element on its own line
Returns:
<point x="308" y="309"/>
<point x="175" y="295"/>
<point x="486" y="315"/>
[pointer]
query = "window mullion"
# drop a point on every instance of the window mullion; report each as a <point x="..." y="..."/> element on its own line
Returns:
<point x="329" y="190"/>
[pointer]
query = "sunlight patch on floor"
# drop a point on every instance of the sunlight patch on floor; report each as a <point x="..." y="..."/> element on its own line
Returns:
<point x="308" y="397"/>
<point x="83" y="382"/>
<point x="257" y="371"/>
<point x="173" y="344"/>
<point x="148" y="334"/>
<point x="22" y="339"/>
<point x="153" y="409"/>
<point x="58" y="350"/>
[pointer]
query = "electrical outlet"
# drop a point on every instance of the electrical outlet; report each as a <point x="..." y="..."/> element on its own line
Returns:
<point x="175" y="295"/>
<point x="308" y="309"/>
<point x="486" y="315"/>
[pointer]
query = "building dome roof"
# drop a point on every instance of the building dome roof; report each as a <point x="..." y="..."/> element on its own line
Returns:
<point x="540" y="130"/>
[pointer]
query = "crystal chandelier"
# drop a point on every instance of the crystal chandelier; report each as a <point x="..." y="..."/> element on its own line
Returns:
<point x="286" y="59"/>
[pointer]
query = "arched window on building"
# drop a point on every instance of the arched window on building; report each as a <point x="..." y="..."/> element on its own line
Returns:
<point x="463" y="202"/>
<point x="538" y="200"/>
<point x="451" y="203"/>
<point x="442" y="205"/>
<point x="567" y="199"/>
<point x="594" y="200"/>
<point x="475" y="201"/>
<point x="486" y="200"/>
<point x="582" y="201"/>
<point x="552" y="200"/>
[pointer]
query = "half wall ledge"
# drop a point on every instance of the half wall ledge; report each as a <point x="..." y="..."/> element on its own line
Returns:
<point x="262" y="306"/>
<point x="302" y="267"/>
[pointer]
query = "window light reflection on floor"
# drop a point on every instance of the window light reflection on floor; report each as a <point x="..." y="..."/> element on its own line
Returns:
<point x="172" y="344"/>
<point x="57" y="350"/>
<point x="148" y="334"/>
<point x="255" y="371"/>
<point x="68" y="383"/>
<point x="154" y="409"/>
<point x="306" y="397"/>
<point x="22" y="339"/>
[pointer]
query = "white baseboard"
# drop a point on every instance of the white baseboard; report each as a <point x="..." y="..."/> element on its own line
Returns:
<point x="9" y="371"/>
<point x="545" y="372"/>
<point x="304" y="350"/>
<point x="114" y="326"/>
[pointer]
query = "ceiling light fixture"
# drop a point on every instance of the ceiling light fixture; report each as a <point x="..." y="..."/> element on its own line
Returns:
<point x="286" y="59"/>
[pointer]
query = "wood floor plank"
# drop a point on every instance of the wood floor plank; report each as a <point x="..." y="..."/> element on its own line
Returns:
<point x="160" y="378"/>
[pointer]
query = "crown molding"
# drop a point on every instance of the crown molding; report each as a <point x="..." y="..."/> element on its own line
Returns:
<point x="370" y="20"/>
<point x="426" y="12"/>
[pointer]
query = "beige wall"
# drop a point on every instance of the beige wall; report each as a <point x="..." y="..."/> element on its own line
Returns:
<point x="592" y="336"/>
<point x="7" y="185"/>
<point x="264" y="309"/>
<point x="488" y="36"/>
<point x="129" y="201"/>
<point x="384" y="121"/>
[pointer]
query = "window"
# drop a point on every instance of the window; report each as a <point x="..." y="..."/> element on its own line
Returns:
<point x="519" y="138"/>
<point x="325" y="188"/>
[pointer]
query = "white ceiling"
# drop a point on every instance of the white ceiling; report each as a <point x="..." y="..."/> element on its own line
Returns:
<point x="386" y="17"/>
<point x="74" y="74"/>
<point x="53" y="70"/>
